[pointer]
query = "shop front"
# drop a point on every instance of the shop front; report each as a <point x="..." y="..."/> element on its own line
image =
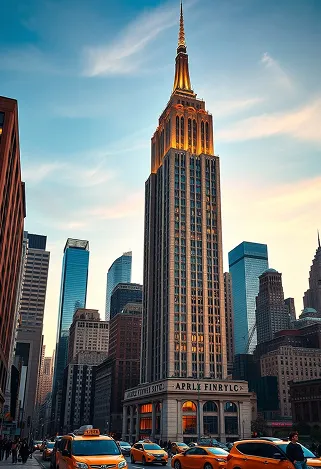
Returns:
<point x="187" y="410"/>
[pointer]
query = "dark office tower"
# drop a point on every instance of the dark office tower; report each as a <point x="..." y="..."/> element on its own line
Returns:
<point x="73" y="293"/>
<point x="247" y="262"/>
<point x="291" y="308"/>
<point x="32" y="308"/>
<point x="121" y="370"/>
<point x="119" y="272"/>
<point x="312" y="297"/>
<point x="12" y="213"/>
<point x="125" y="293"/>
<point x="272" y="314"/>
<point x="183" y="310"/>
<point x="229" y="321"/>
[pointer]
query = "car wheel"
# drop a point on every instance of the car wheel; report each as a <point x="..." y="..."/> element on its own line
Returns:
<point x="132" y="460"/>
<point x="144" y="460"/>
<point x="208" y="466"/>
<point x="177" y="465"/>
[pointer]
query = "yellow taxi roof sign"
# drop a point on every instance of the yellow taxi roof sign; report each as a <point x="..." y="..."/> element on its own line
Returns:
<point x="92" y="432"/>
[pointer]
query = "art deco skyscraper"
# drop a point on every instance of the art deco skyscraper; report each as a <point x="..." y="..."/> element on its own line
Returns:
<point x="312" y="297"/>
<point x="183" y="310"/>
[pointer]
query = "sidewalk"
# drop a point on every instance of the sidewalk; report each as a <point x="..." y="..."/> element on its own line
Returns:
<point x="30" y="464"/>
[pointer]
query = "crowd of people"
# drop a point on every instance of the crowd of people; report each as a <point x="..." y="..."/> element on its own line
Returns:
<point x="18" y="450"/>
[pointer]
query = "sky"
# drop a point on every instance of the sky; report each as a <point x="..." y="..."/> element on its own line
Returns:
<point x="91" y="79"/>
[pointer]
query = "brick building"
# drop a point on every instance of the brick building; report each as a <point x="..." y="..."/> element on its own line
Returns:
<point x="12" y="213"/>
<point x="121" y="370"/>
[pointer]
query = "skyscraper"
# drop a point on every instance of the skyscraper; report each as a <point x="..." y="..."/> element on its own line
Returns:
<point x="125" y="293"/>
<point x="119" y="272"/>
<point x="73" y="294"/>
<point x="247" y="262"/>
<point x="312" y="297"/>
<point x="183" y="327"/>
<point x="272" y="314"/>
<point x="12" y="213"/>
<point x="229" y="320"/>
<point x="32" y="308"/>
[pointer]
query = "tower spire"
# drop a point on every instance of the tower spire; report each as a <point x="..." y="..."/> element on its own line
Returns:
<point x="181" y="35"/>
<point x="319" y="244"/>
<point x="182" y="82"/>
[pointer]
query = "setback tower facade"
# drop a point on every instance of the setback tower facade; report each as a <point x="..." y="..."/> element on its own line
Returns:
<point x="119" y="272"/>
<point x="183" y="326"/>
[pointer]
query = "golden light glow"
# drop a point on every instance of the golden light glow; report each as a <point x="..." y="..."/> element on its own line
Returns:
<point x="181" y="36"/>
<point x="146" y="409"/>
<point x="189" y="406"/>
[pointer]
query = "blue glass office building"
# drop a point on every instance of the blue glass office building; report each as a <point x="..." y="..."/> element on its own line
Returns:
<point x="73" y="293"/>
<point x="119" y="272"/>
<point x="246" y="263"/>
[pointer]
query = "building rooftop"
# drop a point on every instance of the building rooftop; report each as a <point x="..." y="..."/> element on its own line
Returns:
<point x="77" y="244"/>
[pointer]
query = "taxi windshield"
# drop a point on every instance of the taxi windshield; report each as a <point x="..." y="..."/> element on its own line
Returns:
<point x="217" y="451"/>
<point x="50" y="445"/>
<point x="307" y="453"/>
<point x="95" y="448"/>
<point x="151" y="446"/>
<point x="181" y="444"/>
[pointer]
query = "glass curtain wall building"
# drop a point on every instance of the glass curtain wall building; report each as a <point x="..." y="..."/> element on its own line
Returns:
<point x="73" y="293"/>
<point x="119" y="272"/>
<point x="247" y="262"/>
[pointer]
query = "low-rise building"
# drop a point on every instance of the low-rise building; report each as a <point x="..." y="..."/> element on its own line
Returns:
<point x="306" y="402"/>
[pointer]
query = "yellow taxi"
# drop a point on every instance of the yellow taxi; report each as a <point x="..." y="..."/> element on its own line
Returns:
<point x="201" y="457"/>
<point x="148" y="452"/>
<point x="49" y="446"/>
<point x="178" y="447"/>
<point x="86" y="448"/>
<point x="260" y="453"/>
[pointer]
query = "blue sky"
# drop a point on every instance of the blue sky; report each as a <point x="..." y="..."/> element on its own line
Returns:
<point x="91" y="79"/>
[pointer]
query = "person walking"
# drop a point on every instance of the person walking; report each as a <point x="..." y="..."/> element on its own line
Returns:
<point x="8" y="448"/>
<point x="14" y="451"/>
<point x="295" y="453"/>
<point x="24" y="451"/>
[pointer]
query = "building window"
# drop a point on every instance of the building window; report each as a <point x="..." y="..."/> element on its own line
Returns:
<point x="210" y="406"/>
<point x="189" y="406"/>
<point x="146" y="409"/>
<point x="189" y="424"/>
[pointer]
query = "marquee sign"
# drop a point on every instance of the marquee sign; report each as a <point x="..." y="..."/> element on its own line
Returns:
<point x="180" y="386"/>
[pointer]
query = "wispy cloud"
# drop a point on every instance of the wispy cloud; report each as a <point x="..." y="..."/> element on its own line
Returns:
<point x="130" y="206"/>
<point x="234" y="106"/>
<point x="302" y="123"/>
<point x="124" y="55"/>
<point x="69" y="174"/>
<point x="277" y="72"/>
<point x="28" y="59"/>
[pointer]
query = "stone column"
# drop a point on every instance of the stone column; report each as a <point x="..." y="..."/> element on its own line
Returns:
<point x="201" y="417"/>
<point x="153" y="420"/>
<point x="124" y="432"/>
<point x="131" y="424"/>
<point x="137" y="423"/>
<point x="179" y="421"/>
<point x="221" y="422"/>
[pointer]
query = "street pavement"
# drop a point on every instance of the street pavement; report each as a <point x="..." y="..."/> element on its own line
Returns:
<point x="46" y="464"/>
<point x="30" y="464"/>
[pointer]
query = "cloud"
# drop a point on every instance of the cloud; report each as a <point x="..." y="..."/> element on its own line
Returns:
<point x="28" y="60"/>
<point x="234" y="106"/>
<point x="302" y="123"/>
<point x="68" y="174"/>
<point x="130" y="206"/>
<point x="276" y="71"/>
<point x="124" y="56"/>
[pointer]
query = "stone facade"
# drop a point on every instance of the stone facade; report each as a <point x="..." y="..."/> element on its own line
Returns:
<point x="185" y="410"/>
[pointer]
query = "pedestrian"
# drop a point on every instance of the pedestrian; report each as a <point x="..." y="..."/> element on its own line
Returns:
<point x="14" y="451"/>
<point x="24" y="451"/>
<point x="3" y="448"/>
<point x="295" y="453"/>
<point x="8" y="448"/>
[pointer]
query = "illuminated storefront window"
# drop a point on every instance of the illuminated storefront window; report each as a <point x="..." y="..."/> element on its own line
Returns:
<point x="189" y="406"/>
<point x="146" y="409"/>
<point x="189" y="424"/>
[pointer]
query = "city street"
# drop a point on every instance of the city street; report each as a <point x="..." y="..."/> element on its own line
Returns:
<point x="46" y="464"/>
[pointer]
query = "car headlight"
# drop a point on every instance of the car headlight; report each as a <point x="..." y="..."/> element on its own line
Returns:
<point x="81" y="465"/>
<point x="220" y="460"/>
<point x="122" y="464"/>
<point x="149" y="454"/>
